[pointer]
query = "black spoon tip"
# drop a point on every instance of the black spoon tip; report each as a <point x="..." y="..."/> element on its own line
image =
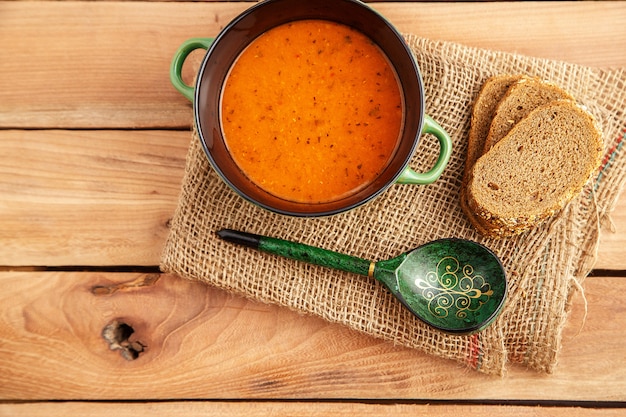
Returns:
<point x="241" y="238"/>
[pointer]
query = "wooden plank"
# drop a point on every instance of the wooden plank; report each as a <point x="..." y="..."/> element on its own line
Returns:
<point x="613" y="238"/>
<point x="196" y="342"/>
<point x="104" y="198"/>
<point x="284" y="409"/>
<point x="88" y="197"/>
<point x="60" y="70"/>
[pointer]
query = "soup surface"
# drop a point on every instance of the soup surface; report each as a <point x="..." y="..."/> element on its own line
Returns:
<point x="311" y="111"/>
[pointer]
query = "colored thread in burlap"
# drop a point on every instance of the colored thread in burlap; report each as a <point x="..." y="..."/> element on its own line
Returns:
<point x="544" y="266"/>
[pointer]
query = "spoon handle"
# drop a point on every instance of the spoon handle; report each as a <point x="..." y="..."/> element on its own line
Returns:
<point x="299" y="251"/>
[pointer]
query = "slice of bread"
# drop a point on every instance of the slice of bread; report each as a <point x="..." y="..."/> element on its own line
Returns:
<point x="535" y="170"/>
<point x="521" y="98"/>
<point x="489" y="96"/>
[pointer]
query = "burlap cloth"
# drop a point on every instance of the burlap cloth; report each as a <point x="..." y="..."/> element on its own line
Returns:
<point x="544" y="266"/>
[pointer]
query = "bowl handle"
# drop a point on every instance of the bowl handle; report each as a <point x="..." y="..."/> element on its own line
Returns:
<point x="176" y="67"/>
<point x="409" y="176"/>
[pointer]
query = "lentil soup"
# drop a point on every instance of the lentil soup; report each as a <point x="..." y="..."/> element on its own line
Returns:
<point x="312" y="111"/>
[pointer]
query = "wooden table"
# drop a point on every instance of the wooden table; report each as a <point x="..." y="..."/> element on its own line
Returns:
<point x="93" y="141"/>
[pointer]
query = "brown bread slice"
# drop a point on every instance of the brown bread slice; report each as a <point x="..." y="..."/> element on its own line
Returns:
<point x="522" y="97"/>
<point x="535" y="170"/>
<point x="492" y="91"/>
<point x="490" y="94"/>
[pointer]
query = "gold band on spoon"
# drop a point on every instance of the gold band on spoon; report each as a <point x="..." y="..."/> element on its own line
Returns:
<point x="370" y="272"/>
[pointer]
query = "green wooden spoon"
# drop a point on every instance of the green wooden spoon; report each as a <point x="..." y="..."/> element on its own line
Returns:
<point x="455" y="285"/>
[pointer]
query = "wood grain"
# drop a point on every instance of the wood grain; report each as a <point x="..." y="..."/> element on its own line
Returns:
<point x="61" y="70"/>
<point x="284" y="409"/>
<point x="104" y="198"/>
<point x="88" y="197"/>
<point x="202" y="343"/>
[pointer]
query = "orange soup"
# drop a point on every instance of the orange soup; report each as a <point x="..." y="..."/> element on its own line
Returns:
<point x="311" y="111"/>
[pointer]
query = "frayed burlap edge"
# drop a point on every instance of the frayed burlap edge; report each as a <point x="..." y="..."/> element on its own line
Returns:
<point x="544" y="266"/>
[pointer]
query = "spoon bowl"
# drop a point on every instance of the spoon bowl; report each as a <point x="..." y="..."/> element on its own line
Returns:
<point x="455" y="285"/>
